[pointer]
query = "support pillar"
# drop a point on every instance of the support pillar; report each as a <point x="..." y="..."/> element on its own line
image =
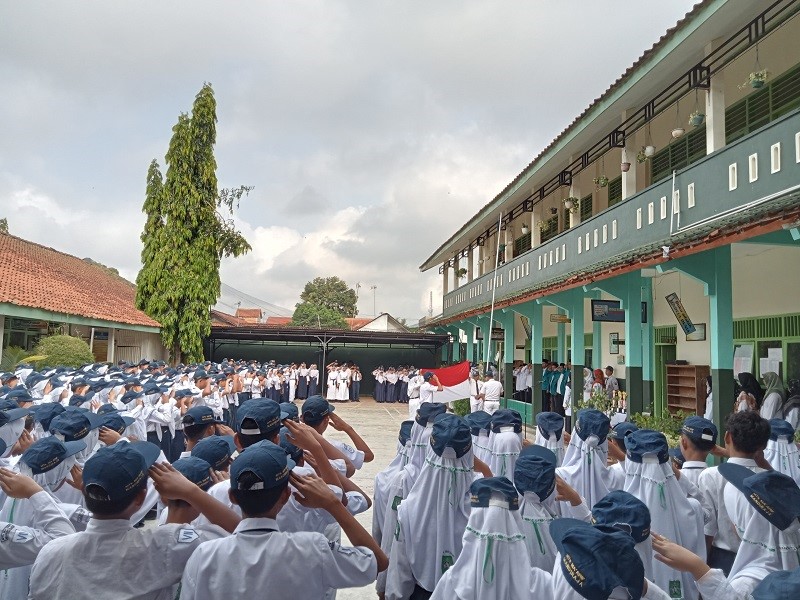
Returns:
<point x="470" y="333"/>
<point x="561" y="339"/>
<point x="715" y="107"/>
<point x="577" y="316"/>
<point x="648" y="348"/>
<point x="629" y="155"/>
<point x="445" y="278"/>
<point x="597" y="349"/>
<point x="507" y="319"/>
<point x="470" y="265"/>
<point x="533" y="311"/>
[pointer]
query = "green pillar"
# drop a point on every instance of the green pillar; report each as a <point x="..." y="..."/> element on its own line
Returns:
<point x="456" y="333"/>
<point x="576" y="314"/>
<point x="470" y="333"/>
<point x="721" y="325"/>
<point x="597" y="336"/>
<point x="561" y="339"/>
<point x="507" y="319"/>
<point x="634" y="382"/>
<point x="533" y="310"/>
<point x="648" y="349"/>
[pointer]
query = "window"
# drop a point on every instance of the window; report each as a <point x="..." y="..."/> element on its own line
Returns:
<point x="615" y="191"/>
<point x="550" y="228"/>
<point x="522" y="244"/>
<point x="586" y="208"/>
<point x="679" y="154"/>
<point x="777" y="98"/>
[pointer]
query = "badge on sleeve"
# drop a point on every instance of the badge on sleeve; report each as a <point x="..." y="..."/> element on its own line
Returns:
<point x="21" y="536"/>
<point x="187" y="535"/>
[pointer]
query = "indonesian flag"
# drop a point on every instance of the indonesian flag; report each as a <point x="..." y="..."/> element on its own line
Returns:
<point x="455" y="381"/>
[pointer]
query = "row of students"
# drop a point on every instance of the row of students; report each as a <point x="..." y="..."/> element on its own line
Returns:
<point x="344" y="382"/>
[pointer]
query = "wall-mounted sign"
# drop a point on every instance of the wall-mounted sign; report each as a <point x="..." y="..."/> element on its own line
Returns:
<point x="680" y="313"/>
<point x="557" y="318"/>
<point x="613" y="343"/>
<point x="611" y="311"/>
<point x="498" y="334"/>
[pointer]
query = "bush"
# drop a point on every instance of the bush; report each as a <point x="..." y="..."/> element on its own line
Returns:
<point x="63" y="350"/>
<point x="667" y="423"/>
<point x="12" y="356"/>
<point x="461" y="407"/>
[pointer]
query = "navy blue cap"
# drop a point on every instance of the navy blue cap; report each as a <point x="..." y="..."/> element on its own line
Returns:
<point x="106" y="409"/>
<point x="184" y="393"/>
<point x="775" y="496"/>
<point x="506" y="417"/>
<point x="151" y="387"/>
<point x="195" y="470"/>
<point x="199" y="415"/>
<point x="6" y="377"/>
<point x="113" y="472"/>
<point x="595" y="561"/>
<point x="677" y="456"/>
<point x="288" y="446"/>
<point x="74" y="425"/>
<point x="428" y="410"/>
<point x="621" y="430"/>
<point x="315" y="409"/>
<point x="450" y="431"/>
<point x="19" y="395"/>
<point x="780" y="428"/>
<point x="216" y="450"/>
<point x="550" y="422"/>
<point x="647" y="442"/>
<point x="200" y="374"/>
<point x="427" y="376"/>
<point x="47" y="453"/>
<point x="592" y="422"/>
<point x="478" y="421"/>
<point x="405" y="432"/>
<point x="290" y="409"/>
<point x="494" y="491"/>
<point x="116" y="422"/>
<point x="267" y="461"/>
<point x="130" y="396"/>
<point x="779" y="585"/>
<point x="266" y="414"/>
<point x="78" y="399"/>
<point x="11" y="411"/>
<point x="44" y="413"/>
<point x="623" y="511"/>
<point x="535" y="471"/>
<point x="699" y="430"/>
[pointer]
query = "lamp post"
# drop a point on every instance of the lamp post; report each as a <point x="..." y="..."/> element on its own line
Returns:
<point x="373" y="288"/>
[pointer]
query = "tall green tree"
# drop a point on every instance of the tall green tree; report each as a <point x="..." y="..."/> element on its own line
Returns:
<point x="332" y="293"/>
<point x="191" y="236"/>
<point x="149" y="281"/>
<point x="307" y="314"/>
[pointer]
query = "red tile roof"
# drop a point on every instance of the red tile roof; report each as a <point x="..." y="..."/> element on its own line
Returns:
<point x="353" y="323"/>
<point x="222" y="319"/>
<point x="248" y="313"/>
<point x="36" y="276"/>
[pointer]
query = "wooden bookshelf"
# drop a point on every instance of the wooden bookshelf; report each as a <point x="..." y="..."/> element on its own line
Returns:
<point x="686" y="388"/>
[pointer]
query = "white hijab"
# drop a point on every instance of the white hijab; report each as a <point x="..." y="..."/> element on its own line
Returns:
<point x="585" y="468"/>
<point x="383" y="483"/>
<point x="783" y="456"/>
<point x="420" y="443"/>
<point x="551" y="443"/>
<point x="506" y="446"/>
<point x="672" y="515"/>
<point x="480" y="446"/>
<point x="536" y="516"/>
<point x="434" y="515"/>
<point x="764" y="548"/>
<point x="10" y="433"/>
<point x="562" y="590"/>
<point x="493" y="563"/>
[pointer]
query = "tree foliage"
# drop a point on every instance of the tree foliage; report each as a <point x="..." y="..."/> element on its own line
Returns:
<point x="308" y="314"/>
<point x="189" y="229"/>
<point x="63" y="350"/>
<point x="3" y="225"/>
<point x="332" y="293"/>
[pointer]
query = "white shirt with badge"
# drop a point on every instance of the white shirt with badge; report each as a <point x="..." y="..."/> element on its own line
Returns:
<point x="20" y="545"/>
<point x="111" y="560"/>
<point x="310" y="565"/>
<point x="354" y="456"/>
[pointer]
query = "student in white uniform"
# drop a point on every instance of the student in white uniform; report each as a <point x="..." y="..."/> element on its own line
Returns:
<point x="319" y="413"/>
<point x="549" y="434"/>
<point x="491" y="394"/>
<point x="764" y="509"/>
<point x="384" y="478"/>
<point x="111" y="559"/>
<point x="216" y="450"/>
<point x="480" y="423"/>
<point x="430" y="385"/>
<point x="310" y="564"/>
<point x="432" y="519"/>
<point x="493" y="564"/>
<point x="746" y="435"/>
<point x="698" y="438"/>
<point x="506" y="443"/>
<point x="596" y="563"/>
<point x="781" y="452"/>
<point x="621" y="510"/>
<point x="618" y="451"/>
<point x="774" y="396"/>
<point x="475" y="390"/>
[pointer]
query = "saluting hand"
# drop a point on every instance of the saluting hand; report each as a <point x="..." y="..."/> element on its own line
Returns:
<point x="566" y="493"/>
<point x="337" y="422"/>
<point x="16" y="485"/>
<point x="170" y="483"/>
<point x="301" y="435"/>
<point x="76" y="472"/>
<point x="312" y="491"/>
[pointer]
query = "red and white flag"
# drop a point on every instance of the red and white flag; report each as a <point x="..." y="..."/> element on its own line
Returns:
<point x="454" y="380"/>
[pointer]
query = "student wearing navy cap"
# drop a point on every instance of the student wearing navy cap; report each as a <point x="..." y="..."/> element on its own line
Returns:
<point x="199" y="472"/>
<point x="650" y="478"/>
<point x="746" y="436"/>
<point x="493" y="563"/>
<point x="126" y="562"/>
<point x="200" y="422"/>
<point x="384" y="478"/>
<point x="421" y="431"/>
<point x="781" y="451"/>
<point x="698" y="438"/>
<point x="217" y="450"/>
<point x="617" y="452"/>
<point x="259" y="485"/>
<point x="480" y="423"/>
<point x="291" y="410"/>
<point x="506" y="442"/>
<point x="432" y="519"/>
<point x="584" y="466"/>
<point x="549" y="434"/>
<point x="622" y="511"/>
<point x="319" y="413"/>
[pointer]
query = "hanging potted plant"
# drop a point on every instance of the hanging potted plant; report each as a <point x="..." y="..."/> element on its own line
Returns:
<point x="649" y="151"/>
<point x="572" y="204"/>
<point x="525" y="229"/>
<point x="677" y="131"/>
<point x="642" y="156"/>
<point x="542" y="225"/>
<point x="756" y="79"/>
<point x="696" y="118"/>
<point x="625" y="166"/>
<point x="601" y="181"/>
<point x="461" y="273"/>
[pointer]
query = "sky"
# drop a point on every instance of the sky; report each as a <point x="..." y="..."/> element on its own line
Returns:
<point x="370" y="130"/>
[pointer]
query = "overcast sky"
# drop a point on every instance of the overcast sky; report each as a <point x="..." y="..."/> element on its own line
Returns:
<point x="371" y="130"/>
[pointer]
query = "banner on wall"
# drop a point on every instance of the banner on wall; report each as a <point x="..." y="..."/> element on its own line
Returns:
<point x="680" y="313"/>
<point x="611" y="311"/>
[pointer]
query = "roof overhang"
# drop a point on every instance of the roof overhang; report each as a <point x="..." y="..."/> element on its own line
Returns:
<point x="24" y="312"/>
<point x="324" y="336"/>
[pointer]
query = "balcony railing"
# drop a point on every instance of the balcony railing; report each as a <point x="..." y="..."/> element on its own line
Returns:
<point x="738" y="182"/>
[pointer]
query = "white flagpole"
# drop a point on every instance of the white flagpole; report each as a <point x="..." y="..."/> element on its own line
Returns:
<point x="494" y="287"/>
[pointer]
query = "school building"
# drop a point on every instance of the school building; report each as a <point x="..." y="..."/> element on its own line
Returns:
<point x="661" y="226"/>
<point x="45" y="292"/>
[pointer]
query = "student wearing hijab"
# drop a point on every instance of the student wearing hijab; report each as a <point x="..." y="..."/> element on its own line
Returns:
<point x="750" y="385"/>
<point x="709" y="412"/>
<point x="649" y="477"/>
<point x="624" y="512"/>
<point x="544" y="498"/>
<point x="480" y="423"/>
<point x="781" y="451"/>
<point x="384" y="478"/>
<point x="549" y="434"/>
<point x="774" y="396"/>
<point x="599" y="384"/>
<point x="506" y="442"/>
<point x="584" y="466"/>
<point x="764" y="508"/>
<point x="618" y="451"/>
<point x="432" y="519"/>
<point x="493" y="564"/>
